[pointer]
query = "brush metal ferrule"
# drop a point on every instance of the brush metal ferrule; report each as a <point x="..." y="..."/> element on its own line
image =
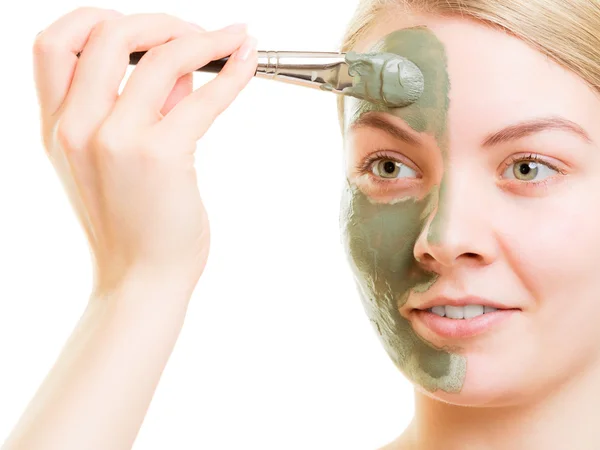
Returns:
<point x="320" y="70"/>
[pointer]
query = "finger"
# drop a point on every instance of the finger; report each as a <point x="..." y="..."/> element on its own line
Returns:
<point x="153" y="79"/>
<point x="55" y="54"/>
<point x="183" y="87"/>
<point x="105" y="58"/>
<point x="196" y="112"/>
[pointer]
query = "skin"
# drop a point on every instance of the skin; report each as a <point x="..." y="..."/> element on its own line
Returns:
<point x="463" y="212"/>
<point x="380" y="236"/>
<point x="127" y="164"/>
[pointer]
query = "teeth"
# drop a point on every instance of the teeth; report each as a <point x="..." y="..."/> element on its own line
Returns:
<point x="439" y="310"/>
<point x="462" y="312"/>
<point x="473" y="311"/>
<point x="455" y="312"/>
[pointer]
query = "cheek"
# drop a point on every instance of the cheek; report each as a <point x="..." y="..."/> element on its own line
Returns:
<point x="554" y="248"/>
<point x="553" y="242"/>
<point x="379" y="240"/>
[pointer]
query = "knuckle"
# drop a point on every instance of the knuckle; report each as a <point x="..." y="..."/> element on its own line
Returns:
<point x="149" y="15"/>
<point x="84" y="10"/>
<point x="68" y="138"/>
<point x="106" y="29"/>
<point x="44" y="44"/>
<point x="158" y="19"/>
<point x="165" y="17"/>
<point x="154" y="54"/>
<point x="109" y="140"/>
<point x="47" y="41"/>
<point x="177" y="25"/>
<point x="195" y="26"/>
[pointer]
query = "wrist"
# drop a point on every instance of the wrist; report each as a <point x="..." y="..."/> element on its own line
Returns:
<point x="148" y="288"/>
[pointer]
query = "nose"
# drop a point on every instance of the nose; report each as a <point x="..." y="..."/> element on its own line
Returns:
<point x="459" y="228"/>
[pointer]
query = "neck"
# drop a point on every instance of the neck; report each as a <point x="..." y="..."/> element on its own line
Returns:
<point x="567" y="417"/>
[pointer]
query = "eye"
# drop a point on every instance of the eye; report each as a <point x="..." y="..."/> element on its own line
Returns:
<point x="529" y="169"/>
<point x="391" y="169"/>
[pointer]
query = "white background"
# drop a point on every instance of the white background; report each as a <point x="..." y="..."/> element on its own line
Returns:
<point x="276" y="351"/>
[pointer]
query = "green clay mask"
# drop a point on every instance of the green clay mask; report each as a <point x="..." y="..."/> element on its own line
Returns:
<point x="379" y="238"/>
<point x="385" y="78"/>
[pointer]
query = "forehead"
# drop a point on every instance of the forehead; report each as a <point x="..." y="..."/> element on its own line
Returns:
<point x="495" y="78"/>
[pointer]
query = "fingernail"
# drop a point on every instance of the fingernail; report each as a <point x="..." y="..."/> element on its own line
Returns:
<point x="247" y="47"/>
<point x="236" y="28"/>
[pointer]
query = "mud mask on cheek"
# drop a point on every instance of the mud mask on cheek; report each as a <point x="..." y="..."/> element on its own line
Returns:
<point x="380" y="238"/>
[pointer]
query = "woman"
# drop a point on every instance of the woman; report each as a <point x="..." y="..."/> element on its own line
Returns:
<point x="468" y="216"/>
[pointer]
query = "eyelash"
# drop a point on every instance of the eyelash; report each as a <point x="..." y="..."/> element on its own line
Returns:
<point x="364" y="167"/>
<point x="535" y="185"/>
<point x="531" y="157"/>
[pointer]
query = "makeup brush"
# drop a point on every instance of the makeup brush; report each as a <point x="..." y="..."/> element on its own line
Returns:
<point x="384" y="78"/>
<point x="312" y="69"/>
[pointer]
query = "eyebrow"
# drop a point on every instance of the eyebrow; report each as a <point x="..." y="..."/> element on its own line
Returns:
<point x="529" y="127"/>
<point x="508" y="134"/>
<point x="377" y="121"/>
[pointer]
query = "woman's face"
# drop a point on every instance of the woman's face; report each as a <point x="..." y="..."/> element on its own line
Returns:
<point x="486" y="190"/>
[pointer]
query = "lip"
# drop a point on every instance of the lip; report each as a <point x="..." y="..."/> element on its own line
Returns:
<point x="461" y="328"/>
<point x="463" y="301"/>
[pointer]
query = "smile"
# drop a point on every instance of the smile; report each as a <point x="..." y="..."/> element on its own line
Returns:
<point x="460" y="321"/>
<point x="461" y="312"/>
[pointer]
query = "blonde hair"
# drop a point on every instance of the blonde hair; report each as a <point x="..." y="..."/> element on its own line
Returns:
<point x="567" y="31"/>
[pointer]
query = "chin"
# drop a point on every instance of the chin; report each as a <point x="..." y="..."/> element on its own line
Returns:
<point x="490" y="381"/>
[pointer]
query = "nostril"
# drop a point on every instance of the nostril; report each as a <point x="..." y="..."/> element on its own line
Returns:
<point x="420" y="258"/>
<point x="425" y="258"/>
